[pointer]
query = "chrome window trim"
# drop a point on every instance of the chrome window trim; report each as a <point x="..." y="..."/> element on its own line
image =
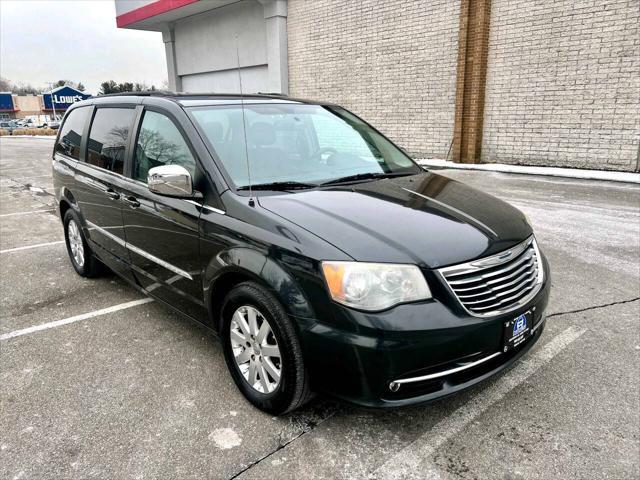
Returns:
<point x="140" y="252"/>
<point x="492" y="261"/>
<point x="207" y="207"/>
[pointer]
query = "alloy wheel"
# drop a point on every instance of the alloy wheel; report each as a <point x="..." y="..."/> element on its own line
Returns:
<point x="255" y="349"/>
<point x="75" y="243"/>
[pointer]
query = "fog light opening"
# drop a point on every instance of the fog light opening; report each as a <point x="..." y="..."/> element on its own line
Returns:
<point x="394" y="386"/>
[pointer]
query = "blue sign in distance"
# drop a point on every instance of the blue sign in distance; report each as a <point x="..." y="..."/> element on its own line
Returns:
<point x="62" y="98"/>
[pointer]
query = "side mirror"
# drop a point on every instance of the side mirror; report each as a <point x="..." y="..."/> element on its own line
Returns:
<point x="170" y="180"/>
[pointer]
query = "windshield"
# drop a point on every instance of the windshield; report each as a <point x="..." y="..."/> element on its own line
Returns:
<point x="306" y="144"/>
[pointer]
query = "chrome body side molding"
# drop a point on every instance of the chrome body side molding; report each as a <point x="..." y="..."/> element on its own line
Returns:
<point x="140" y="252"/>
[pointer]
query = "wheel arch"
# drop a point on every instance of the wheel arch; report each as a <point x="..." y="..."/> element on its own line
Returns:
<point x="234" y="266"/>
<point x="63" y="206"/>
<point x="67" y="201"/>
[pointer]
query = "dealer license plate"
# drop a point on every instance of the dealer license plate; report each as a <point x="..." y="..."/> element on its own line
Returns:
<point x="516" y="331"/>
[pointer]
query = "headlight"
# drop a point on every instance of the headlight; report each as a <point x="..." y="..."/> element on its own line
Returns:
<point x="374" y="286"/>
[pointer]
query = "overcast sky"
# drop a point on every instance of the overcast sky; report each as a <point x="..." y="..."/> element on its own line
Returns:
<point x="45" y="41"/>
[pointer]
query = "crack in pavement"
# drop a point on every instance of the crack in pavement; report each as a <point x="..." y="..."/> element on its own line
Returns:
<point x="595" y="307"/>
<point x="264" y="457"/>
<point x="307" y="423"/>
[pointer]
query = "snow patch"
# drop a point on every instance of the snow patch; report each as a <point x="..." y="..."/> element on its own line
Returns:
<point x="607" y="175"/>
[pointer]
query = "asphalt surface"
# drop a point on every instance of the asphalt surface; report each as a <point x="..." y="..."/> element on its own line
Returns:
<point x="138" y="392"/>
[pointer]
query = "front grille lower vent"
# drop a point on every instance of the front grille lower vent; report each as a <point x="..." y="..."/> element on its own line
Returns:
<point x="497" y="284"/>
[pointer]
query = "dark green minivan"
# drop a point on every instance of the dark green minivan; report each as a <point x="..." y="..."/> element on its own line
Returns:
<point x="325" y="259"/>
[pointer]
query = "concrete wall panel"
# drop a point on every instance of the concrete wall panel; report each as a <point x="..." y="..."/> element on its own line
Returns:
<point x="207" y="42"/>
<point x="254" y="79"/>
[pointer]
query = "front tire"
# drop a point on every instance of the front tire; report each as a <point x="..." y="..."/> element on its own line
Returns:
<point x="262" y="350"/>
<point x="82" y="258"/>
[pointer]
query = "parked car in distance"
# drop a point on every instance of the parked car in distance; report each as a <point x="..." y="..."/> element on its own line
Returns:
<point x="10" y="126"/>
<point x="29" y="123"/>
<point x="42" y="121"/>
<point x="325" y="259"/>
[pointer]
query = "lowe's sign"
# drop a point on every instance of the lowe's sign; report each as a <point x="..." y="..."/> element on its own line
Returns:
<point x="62" y="98"/>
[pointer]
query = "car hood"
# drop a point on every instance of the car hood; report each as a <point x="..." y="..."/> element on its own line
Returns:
<point x="424" y="219"/>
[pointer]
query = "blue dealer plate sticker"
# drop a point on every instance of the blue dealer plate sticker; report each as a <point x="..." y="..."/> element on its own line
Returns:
<point x="520" y="325"/>
<point x="517" y="331"/>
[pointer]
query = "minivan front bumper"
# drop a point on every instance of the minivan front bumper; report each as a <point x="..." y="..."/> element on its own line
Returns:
<point x="413" y="353"/>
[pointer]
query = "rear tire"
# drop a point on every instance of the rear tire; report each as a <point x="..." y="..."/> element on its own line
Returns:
<point x="82" y="258"/>
<point x="269" y="347"/>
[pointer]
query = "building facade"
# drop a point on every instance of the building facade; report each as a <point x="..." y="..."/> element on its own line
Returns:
<point x="511" y="81"/>
<point x="54" y="102"/>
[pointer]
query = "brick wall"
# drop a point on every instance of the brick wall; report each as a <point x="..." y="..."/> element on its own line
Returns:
<point x="563" y="84"/>
<point x="391" y="62"/>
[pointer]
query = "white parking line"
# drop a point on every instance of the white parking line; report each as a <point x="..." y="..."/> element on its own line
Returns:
<point x="414" y="461"/>
<point x="32" y="176"/>
<point x="4" y="169"/>
<point x="27" y="247"/>
<point x="25" y="213"/>
<point x="77" y="318"/>
<point x="36" y="190"/>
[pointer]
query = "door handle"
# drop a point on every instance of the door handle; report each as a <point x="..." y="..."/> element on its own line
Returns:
<point x="131" y="201"/>
<point x="112" y="194"/>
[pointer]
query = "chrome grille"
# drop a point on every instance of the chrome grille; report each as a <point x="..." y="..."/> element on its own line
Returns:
<point x="497" y="284"/>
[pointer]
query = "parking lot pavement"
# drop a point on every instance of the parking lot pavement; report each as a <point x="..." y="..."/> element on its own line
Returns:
<point x="136" y="391"/>
<point x="20" y="230"/>
<point x="46" y="290"/>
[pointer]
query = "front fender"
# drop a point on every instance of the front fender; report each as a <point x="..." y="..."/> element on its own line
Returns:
<point x="246" y="263"/>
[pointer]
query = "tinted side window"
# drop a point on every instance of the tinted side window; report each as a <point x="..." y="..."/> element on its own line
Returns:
<point x="71" y="133"/>
<point x="108" y="138"/>
<point x="160" y="143"/>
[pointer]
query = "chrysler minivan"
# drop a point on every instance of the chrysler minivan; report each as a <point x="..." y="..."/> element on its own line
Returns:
<point x="321" y="254"/>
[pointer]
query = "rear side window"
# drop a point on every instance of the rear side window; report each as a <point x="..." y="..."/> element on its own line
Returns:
<point x="71" y="133"/>
<point x="108" y="138"/>
<point x="160" y="143"/>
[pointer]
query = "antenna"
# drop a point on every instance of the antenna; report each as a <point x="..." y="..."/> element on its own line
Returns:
<point x="244" y="126"/>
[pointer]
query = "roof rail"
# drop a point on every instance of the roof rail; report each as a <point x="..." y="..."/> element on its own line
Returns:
<point x="146" y="93"/>
<point x="169" y="93"/>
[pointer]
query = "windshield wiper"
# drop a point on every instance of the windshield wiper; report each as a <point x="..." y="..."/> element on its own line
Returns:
<point x="363" y="176"/>
<point x="279" y="186"/>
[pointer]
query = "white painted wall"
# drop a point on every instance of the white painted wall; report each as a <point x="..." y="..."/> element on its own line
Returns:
<point x="254" y="80"/>
<point x="205" y="47"/>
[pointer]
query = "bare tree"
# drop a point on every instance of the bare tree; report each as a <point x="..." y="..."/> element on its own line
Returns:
<point x="7" y="85"/>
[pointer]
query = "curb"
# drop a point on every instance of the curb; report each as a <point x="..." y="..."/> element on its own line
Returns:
<point x="605" y="175"/>
<point x="53" y="137"/>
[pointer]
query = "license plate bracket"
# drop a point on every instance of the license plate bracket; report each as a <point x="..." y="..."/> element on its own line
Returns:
<point x="517" y="330"/>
